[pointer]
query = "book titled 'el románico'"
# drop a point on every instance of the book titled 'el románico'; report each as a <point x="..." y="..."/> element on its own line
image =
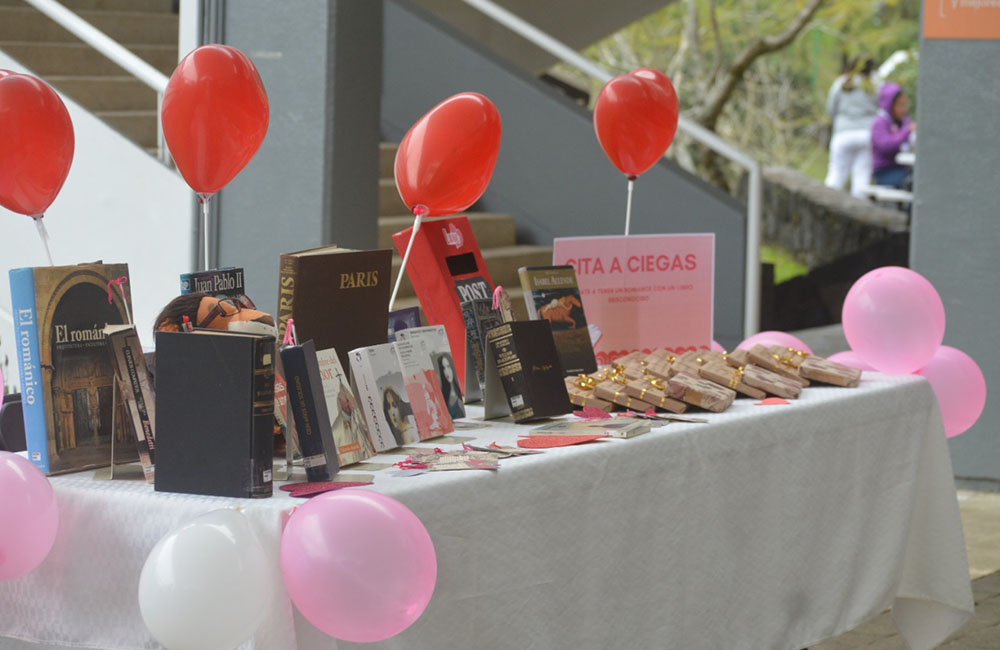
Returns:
<point x="60" y="313"/>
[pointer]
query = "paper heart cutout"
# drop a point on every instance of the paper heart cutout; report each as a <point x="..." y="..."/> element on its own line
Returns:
<point x="772" y="401"/>
<point x="546" y="442"/>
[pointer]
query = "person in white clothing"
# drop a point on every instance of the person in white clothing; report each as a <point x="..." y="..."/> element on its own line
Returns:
<point x="852" y="105"/>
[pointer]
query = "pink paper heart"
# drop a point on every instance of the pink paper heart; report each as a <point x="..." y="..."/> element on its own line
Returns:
<point x="547" y="442"/>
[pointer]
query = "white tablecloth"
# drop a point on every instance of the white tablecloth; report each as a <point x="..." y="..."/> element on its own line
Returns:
<point x="772" y="527"/>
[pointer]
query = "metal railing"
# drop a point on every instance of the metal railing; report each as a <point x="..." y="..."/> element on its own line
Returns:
<point x="566" y="54"/>
<point x="117" y="53"/>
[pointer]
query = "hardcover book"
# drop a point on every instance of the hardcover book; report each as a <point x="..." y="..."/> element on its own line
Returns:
<point x="377" y="380"/>
<point x="221" y="283"/>
<point x="308" y="406"/>
<point x="521" y="356"/>
<point x="350" y="433"/>
<point x="338" y="297"/>
<point x="215" y="413"/>
<point x="436" y="339"/>
<point x="60" y="313"/>
<point x="550" y="293"/>
<point x="135" y="390"/>
<point x="429" y="410"/>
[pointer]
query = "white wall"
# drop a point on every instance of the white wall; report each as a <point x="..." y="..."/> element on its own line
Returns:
<point x="118" y="205"/>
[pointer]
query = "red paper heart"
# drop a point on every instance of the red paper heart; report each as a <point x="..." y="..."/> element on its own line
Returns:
<point x="772" y="401"/>
<point x="304" y="490"/>
<point x="546" y="442"/>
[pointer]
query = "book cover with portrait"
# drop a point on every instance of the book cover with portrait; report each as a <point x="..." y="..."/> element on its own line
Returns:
<point x="426" y="400"/>
<point x="436" y="339"/>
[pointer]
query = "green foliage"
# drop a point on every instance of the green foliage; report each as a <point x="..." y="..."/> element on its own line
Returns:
<point x="777" y="112"/>
<point x="785" y="266"/>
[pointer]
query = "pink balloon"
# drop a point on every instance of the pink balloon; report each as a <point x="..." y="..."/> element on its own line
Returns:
<point x="715" y="346"/>
<point x="850" y="358"/>
<point x="959" y="386"/>
<point x="358" y="565"/>
<point x="29" y="516"/>
<point x="770" y="337"/>
<point x="894" y="319"/>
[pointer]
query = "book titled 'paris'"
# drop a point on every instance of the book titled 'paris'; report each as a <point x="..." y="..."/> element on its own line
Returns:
<point x="60" y="313"/>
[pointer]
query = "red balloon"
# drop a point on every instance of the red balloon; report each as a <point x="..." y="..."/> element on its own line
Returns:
<point x="446" y="159"/>
<point x="214" y="116"/>
<point x="635" y="117"/>
<point x="36" y="144"/>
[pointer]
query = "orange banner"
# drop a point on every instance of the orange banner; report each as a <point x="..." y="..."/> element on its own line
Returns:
<point x="962" y="19"/>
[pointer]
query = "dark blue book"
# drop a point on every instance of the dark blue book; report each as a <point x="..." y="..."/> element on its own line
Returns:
<point x="308" y="406"/>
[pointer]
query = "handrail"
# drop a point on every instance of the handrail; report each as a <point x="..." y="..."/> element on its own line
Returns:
<point x="112" y="50"/>
<point x="566" y="54"/>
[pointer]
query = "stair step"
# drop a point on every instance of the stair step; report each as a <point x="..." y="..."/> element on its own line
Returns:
<point x="389" y="202"/>
<point x="106" y="93"/>
<point x="516" y="301"/>
<point x="137" y="126"/>
<point x="386" y="159"/>
<point x="491" y="230"/>
<point x="502" y="264"/>
<point x="80" y="59"/>
<point x="156" y="6"/>
<point x="27" y="24"/>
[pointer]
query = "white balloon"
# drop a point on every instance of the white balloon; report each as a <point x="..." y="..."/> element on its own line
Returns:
<point x="205" y="585"/>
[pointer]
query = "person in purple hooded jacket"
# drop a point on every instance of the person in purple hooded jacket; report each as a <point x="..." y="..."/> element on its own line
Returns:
<point x="890" y="130"/>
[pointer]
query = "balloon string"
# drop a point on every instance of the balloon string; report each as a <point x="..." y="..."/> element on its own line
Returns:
<point x="44" y="234"/>
<point x="204" y="225"/>
<point x="628" y="206"/>
<point x="418" y="217"/>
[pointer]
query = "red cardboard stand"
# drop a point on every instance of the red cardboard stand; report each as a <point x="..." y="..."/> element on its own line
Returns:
<point x="446" y="269"/>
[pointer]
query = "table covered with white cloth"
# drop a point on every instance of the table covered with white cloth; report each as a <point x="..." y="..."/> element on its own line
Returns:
<point x="770" y="527"/>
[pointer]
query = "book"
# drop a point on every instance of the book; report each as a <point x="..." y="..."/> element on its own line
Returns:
<point x="222" y="283"/>
<point x="338" y="297"/>
<point x="436" y="339"/>
<point x="521" y="358"/>
<point x="214" y="413"/>
<point x="615" y="428"/>
<point x="350" y="433"/>
<point x="60" y="313"/>
<point x="135" y="390"/>
<point x="644" y="292"/>
<point x="308" y="406"/>
<point x="377" y="379"/>
<point x="402" y="319"/>
<point x="551" y="293"/>
<point x="479" y="316"/>
<point x="430" y="413"/>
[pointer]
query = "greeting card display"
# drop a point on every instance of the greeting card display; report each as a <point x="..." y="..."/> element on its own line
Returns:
<point x="446" y="269"/>
<point x="644" y="291"/>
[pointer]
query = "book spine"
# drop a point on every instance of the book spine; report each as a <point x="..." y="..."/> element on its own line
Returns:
<point x="300" y="403"/>
<point x="288" y="272"/>
<point x="262" y="434"/>
<point x="524" y="274"/>
<point x="22" y="296"/>
<point x="124" y="348"/>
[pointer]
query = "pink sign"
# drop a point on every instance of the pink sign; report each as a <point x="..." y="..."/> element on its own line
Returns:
<point x="644" y="292"/>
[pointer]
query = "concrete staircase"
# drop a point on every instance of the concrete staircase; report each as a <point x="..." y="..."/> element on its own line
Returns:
<point x="146" y="27"/>
<point x="495" y="234"/>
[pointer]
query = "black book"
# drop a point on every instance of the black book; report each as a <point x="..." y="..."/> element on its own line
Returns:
<point x="521" y="357"/>
<point x="214" y="413"/>
<point x="308" y="407"/>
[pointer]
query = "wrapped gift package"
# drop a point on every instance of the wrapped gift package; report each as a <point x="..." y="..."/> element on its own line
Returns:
<point x="700" y="392"/>
<point x="763" y="357"/>
<point x="829" y="372"/>
<point x="737" y="358"/>
<point x="653" y="390"/>
<point x="771" y="382"/>
<point x="581" y="393"/>
<point x="726" y="375"/>
<point x="789" y="356"/>
<point x="613" y="391"/>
